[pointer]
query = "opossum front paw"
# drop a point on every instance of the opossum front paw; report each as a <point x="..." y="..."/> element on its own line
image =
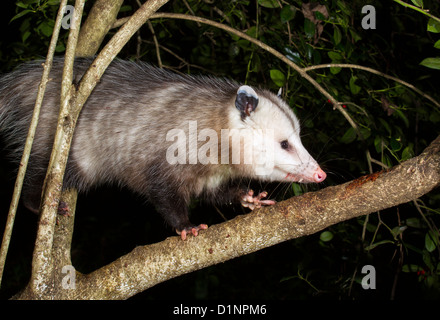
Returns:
<point x="251" y="202"/>
<point x="194" y="230"/>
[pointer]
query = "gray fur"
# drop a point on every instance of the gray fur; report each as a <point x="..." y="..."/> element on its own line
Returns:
<point x="120" y="137"/>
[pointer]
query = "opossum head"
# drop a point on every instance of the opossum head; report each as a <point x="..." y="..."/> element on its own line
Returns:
<point x="269" y="139"/>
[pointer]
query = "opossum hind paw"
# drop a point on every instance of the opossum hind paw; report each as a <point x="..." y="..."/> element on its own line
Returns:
<point x="194" y="230"/>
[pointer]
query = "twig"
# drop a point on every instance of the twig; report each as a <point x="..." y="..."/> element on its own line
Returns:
<point x="156" y="44"/>
<point x="425" y="12"/>
<point x="354" y="66"/>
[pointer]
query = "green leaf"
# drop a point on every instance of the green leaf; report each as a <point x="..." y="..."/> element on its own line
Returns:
<point x="46" y="27"/>
<point x="269" y="3"/>
<point x="366" y="133"/>
<point x="356" y="37"/>
<point x="411" y="268"/>
<point x="21" y="14"/>
<point x="278" y="77"/>
<point x="386" y="125"/>
<point x="297" y="189"/>
<point x="407" y="153"/>
<point x="309" y="28"/>
<point x="433" y="63"/>
<point x="354" y="88"/>
<point x="402" y="116"/>
<point x="345" y="9"/>
<point x="378" y="144"/>
<point x="433" y="26"/>
<point x="319" y="16"/>
<point x="430" y="241"/>
<point x="414" y="223"/>
<point x="437" y="44"/>
<point x="349" y="136"/>
<point x="395" y="144"/>
<point x="335" y="56"/>
<point x="337" y="37"/>
<point x="252" y="32"/>
<point x="335" y="70"/>
<point x="287" y="13"/>
<point x="292" y="55"/>
<point x="418" y="3"/>
<point x="326" y="236"/>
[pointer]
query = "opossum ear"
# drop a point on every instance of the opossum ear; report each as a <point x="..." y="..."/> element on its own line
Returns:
<point x="246" y="101"/>
<point x="280" y="92"/>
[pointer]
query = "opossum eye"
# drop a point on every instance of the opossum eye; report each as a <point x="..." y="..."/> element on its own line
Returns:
<point x="285" y="144"/>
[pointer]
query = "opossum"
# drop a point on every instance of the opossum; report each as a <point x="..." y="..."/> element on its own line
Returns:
<point x="166" y="136"/>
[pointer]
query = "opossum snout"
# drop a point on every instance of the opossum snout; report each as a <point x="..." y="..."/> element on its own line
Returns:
<point x="319" y="175"/>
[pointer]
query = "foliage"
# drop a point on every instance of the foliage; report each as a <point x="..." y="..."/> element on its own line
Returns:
<point x="396" y="123"/>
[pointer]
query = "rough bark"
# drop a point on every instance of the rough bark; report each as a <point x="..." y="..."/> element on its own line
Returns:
<point x="99" y="21"/>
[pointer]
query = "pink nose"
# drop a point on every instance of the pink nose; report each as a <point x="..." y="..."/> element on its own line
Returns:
<point x="319" y="175"/>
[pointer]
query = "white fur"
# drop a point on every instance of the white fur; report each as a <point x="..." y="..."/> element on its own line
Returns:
<point x="264" y="129"/>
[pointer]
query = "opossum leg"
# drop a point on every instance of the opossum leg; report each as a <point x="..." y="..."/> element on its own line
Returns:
<point x="32" y="194"/>
<point x="194" y="230"/>
<point x="175" y="213"/>
<point x="32" y="197"/>
<point x="251" y="202"/>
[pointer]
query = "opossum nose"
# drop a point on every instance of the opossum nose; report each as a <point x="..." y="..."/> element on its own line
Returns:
<point x="319" y="175"/>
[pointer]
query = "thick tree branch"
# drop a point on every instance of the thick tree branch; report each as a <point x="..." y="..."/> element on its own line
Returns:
<point x="299" y="216"/>
<point x="99" y="21"/>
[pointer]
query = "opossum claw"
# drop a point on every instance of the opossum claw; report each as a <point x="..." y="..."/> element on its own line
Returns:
<point x="63" y="209"/>
<point x="194" y="230"/>
<point x="251" y="202"/>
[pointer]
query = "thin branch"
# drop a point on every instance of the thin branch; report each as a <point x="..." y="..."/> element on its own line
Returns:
<point x="421" y="10"/>
<point x="384" y="75"/>
<point x="156" y="44"/>
<point x="42" y="266"/>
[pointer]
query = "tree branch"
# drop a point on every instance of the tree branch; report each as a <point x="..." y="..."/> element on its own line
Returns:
<point x="296" y="217"/>
<point x="355" y="66"/>
<point x="99" y="21"/>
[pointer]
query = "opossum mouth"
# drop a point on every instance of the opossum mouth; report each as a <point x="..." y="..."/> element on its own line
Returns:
<point x="296" y="178"/>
